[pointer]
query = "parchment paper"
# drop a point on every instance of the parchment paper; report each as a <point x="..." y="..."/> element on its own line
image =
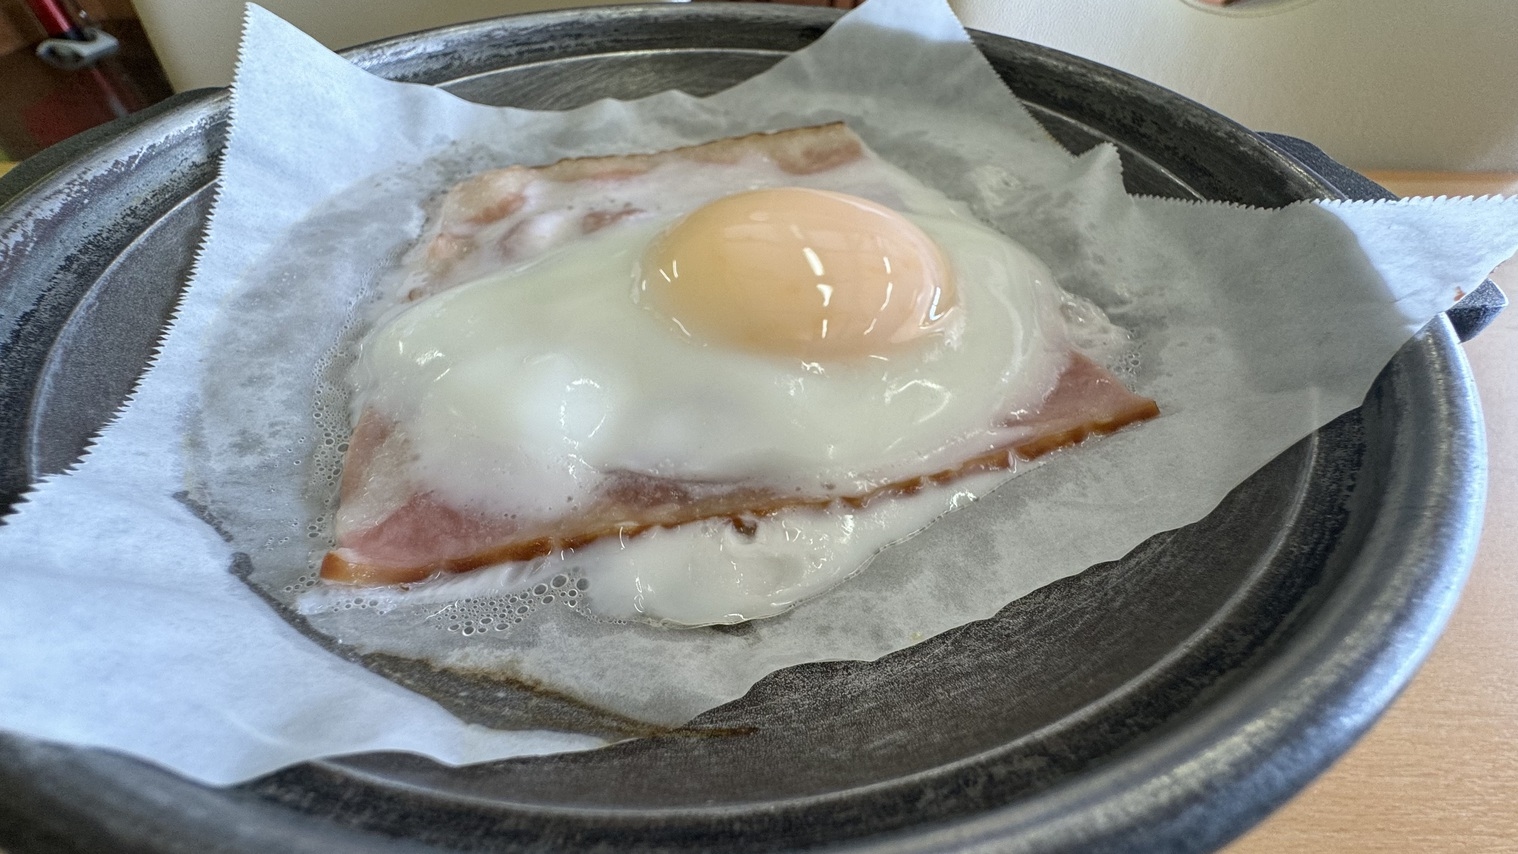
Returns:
<point x="129" y="622"/>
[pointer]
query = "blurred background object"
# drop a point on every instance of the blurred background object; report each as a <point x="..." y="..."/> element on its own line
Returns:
<point x="73" y="41"/>
<point x="1378" y="84"/>
<point x="42" y="103"/>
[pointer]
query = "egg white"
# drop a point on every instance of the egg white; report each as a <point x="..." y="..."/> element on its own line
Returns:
<point x="520" y="391"/>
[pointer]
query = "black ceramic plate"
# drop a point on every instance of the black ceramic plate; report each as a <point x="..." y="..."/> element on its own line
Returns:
<point x="1165" y="701"/>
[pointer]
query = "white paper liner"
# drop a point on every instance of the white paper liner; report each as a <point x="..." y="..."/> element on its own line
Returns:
<point x="126" y="630"/>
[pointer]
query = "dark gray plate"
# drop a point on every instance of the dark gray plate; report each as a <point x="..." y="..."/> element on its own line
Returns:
<point x="1165" y="701"/>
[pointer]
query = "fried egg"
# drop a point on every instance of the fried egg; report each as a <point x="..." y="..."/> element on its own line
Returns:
<point x="789" y="341"/>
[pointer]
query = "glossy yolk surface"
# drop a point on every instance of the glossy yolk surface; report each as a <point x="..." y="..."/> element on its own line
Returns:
<point x="798" y="272"/>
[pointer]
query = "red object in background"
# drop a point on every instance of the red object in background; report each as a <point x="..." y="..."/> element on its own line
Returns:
<point x="41" y="105"/>
<point x="96" y="95"/>
<point x="60" y="18"/>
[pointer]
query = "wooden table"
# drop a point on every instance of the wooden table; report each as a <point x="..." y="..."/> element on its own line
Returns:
<point x="1439" y="773"/>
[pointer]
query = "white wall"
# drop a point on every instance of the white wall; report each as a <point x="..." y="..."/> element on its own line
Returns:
<point x="196" y="40"/>
<point x="1379" y="84"/>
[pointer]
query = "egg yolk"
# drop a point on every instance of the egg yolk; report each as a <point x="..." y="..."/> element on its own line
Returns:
<point x="798" y="272"/>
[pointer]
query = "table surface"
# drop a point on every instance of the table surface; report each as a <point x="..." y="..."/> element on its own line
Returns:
<point x="1439" y="772"/>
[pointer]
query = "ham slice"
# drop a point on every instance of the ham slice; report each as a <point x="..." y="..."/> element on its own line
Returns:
<point x="507" y="215"/>
<point x="390" y="530"/>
